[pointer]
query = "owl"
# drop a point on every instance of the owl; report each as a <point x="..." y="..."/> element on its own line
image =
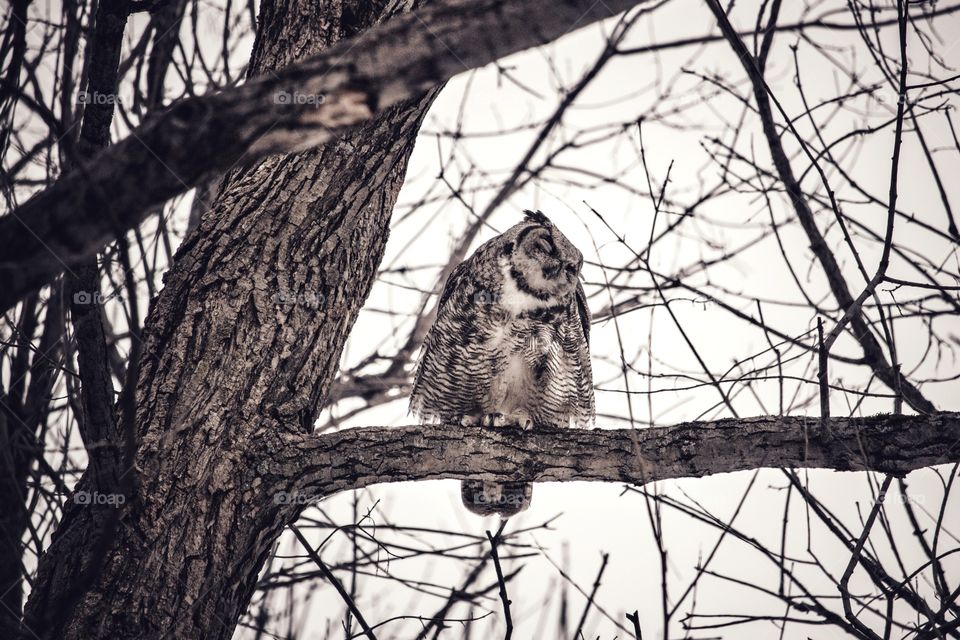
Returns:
<point x="509" y="347"/>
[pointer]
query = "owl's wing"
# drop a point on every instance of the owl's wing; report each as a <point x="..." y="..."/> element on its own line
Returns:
<point x="583" y="310"/>
<point x="453" y="281"/>
<point x="585" y="403"/>
<point x="430" y="397"/>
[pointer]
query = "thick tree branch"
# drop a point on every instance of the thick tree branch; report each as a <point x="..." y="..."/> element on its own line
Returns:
<point x="302" y="106"/>
<point x="321" y="465"/>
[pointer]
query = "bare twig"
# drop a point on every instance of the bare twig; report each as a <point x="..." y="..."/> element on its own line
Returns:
<point x="504" y="599"/>
<point x="332" y="579"/>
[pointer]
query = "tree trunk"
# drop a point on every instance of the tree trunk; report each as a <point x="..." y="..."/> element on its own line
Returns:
<point x="241" y="345"/>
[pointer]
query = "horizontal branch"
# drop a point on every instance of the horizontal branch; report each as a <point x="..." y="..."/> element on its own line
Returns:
<point x="302" y="106"/>
<point x="321" y="465"/>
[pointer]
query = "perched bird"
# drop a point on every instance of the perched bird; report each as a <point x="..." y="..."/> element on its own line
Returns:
<point x="509" y="347"/>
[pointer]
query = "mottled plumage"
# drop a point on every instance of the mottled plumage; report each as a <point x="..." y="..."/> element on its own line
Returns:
<point x="509" y="346"/>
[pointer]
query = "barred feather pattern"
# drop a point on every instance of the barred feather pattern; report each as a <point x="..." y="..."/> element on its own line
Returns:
<point x="509" y="346"/>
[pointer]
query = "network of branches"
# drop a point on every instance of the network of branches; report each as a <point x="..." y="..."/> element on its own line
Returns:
<point x="763" y="193"/>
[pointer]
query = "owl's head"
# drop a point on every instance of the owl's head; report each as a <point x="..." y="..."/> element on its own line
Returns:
<point x="543" y="263"/>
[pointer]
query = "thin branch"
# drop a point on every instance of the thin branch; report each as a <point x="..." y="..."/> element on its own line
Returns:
<point x="507" y="619"/>
<point x="332" y="579"/>
<point x="593" y="594"/>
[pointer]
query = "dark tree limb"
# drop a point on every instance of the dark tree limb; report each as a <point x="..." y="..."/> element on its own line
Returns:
<point x="98" y="423"/>
<point x="357" y="80"/>
<point x="504" y="598"/>
<point x="634" y="619"/>
<point x="322" y="465"/>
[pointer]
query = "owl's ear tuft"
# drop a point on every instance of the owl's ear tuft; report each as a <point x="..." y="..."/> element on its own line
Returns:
<point x="537" y="216"/>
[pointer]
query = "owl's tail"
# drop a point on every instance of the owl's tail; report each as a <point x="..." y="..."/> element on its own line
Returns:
<point x="486" y="498"/>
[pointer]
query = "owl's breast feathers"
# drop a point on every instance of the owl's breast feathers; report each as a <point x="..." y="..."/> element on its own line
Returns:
<point x="496" y="349"/>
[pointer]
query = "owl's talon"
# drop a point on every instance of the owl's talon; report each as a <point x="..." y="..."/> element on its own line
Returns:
<point x="494" y="420"/>
<point x="523" y="421"/>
